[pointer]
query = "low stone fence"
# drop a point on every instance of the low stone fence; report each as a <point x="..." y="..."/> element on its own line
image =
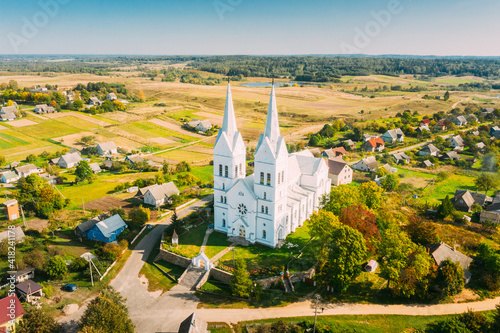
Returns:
<point x="220" y="275"/>
<point x="295" y="277"/>
<point x="204" y="278"/>
<point x="173" y="258"/>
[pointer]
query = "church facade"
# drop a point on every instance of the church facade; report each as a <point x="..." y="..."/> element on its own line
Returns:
<point x="283" y="192"/>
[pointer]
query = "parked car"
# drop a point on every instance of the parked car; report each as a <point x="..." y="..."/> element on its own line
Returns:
<point x="70" y="287"/>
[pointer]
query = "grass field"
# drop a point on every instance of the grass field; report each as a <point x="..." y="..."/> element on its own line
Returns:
<point x="190" y="243"/>
<point x="10" y="140"/>
<point x="77" y="122"/>
<point x="180" y="155"/>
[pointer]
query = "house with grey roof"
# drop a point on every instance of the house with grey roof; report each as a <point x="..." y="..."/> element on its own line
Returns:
<point x="459" y="121"/>
<point x="442" y="251"/>
<point x="82" y="229"/>
<point x="429" y="150"/>
<point x="107" y="148"/>
<point x="366" y="164"/>
<point x="135" y="158"/>
<point x="451" y="155"/>
<point x="44" y="108"/>
<point x="463" y="200"/>
<point x="193" y="324"/>
<point x="28" y="169"/>
<point x="19" y="236"/>
<point x="69" y="160"/>
<point x="94" y="101"/>
<point x="393" y="135"/>
<point x="199" y="125"/>
<point x="492" y="212"/>
<point x="95" y="167"/>
<point x="339" y="171"/>
<point x="9" y="177"/>
<point x="111" y="97"/>
<point x="401" y="158"/>
<point x="160" y="194"/>
<point x="456" y="142"/>
<point x="495" y="131"/>
<point x="8" y="113"/>
<point x="427" y="164"/>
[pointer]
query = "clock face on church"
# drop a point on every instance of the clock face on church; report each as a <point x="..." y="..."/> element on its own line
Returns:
<point x="242" y="209"/>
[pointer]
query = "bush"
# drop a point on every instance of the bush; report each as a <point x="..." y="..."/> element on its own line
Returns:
<point x="139" y="216"/>
<point x="47" y="289"/>
<point x="78" y="265"/>
<point x="56" y="268"/>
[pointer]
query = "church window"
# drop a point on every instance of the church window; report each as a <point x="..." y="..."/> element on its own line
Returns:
<point x="268" y="179"/>
<point x="264" y="234"/>
<point x="226" y="171"/>
<point x="265" y="195"/>
<point x="221" y="199"/>
<point x="223" y="223"/>
<point x="223" y="186"/>
<point x="241" y="169"/>
<point x="236" y="171"/>
<point x="225" y="199"/>
<point x="279" y="178"/>
<point x="262" y="178"/>
<point x="262" y="209"/>
<point x="282" y="176"/>
<point x="242" y="209"/>
<point x="220" y="169"/>
<point x="267" y="210"/>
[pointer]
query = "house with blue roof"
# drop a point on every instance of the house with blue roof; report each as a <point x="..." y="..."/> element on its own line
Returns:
<point x="106" y="230"/>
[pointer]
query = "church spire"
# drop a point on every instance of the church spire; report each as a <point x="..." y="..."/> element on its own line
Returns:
<point x="229" y="123"/>
<point x="272" y="130"/>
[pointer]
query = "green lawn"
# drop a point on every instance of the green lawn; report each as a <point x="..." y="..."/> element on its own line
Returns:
<point x="190" y="242"/>
<point x="156" y="279"/>
<point x="217" y="242"/>
<point x="174" y="270"/>
<point x="205" y="173"/>
<point x="10" y="141"/>
<point x="77" y="122"/>
<point x="48" y="129"/>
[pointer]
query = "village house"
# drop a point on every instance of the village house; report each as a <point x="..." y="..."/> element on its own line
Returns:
<point x="8" y="113"/>
<point x="95" y="167"/>
<point x="107" y="148"/>
<point x="459" y="121"/>
<point x="393" y="135"/>
<point x="475" y="133"/>
<point x="389" y="169"/>
<point x="29" y="291"/>
<point x="422" y="129"/>
<point x="160" y="194"/>
<point x="44" y="108"/>
<point x="339" y="171"/>
<point x="457" y="142"/>
<point x="199" y="125"/>
<point x="94" y="101"/>
<point x="424" y="122"/>
<point x="334" y="152"/>
<point x="480" y="146"/>
<point x="472" y="118"/>
<point x="102" y="229"/>
<point x="488" y="111"/>
<point x="38" y="89"/>
<point x="495" y="131"/>
<point x="350" y="144"/>
<point x="463" y="200"/>
<point x="193" y="324"/>
<point x="111" y="97"/>
<point x="11" y="209"/>
<point x="69" y="160"/>
<point x="367" y="136"/>
<point x="441" y="125"/>
<point x="366" y="164"/>
<point x="401" y="158"/>
<point x="23" y="275"/>
<point x="51" y="179"/>
<point x="492" y="212"/>
<point x="373" y="145"/>
<point x="451" y="155"/>
<point x="429" y="150"/>
<point x="28" y="169"/>
<point x="427" y="164"/>
<point x="10" y="315"/>
<point x="442" y="251"/>
<point x="136" y="158"/>
<point x="9" y="177"/>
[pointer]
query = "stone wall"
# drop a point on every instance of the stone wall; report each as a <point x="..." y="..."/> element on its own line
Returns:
<point x="203" y="279"/>
<point x="173" y="258"/>
<point x="220" y="275"/>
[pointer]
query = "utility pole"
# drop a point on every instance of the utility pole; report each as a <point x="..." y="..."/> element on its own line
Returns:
<point x="91" y="277"/>
<point x="24" y="218"/>
<point x="316" y="311"/>
<point x="83" y="206"/>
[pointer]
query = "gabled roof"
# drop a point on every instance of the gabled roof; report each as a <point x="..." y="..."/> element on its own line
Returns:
<point x="5" y="311"/>
<point x="108" y="226"/>
<point x="10" y="175"/>
<point x="70" y="158"/>
<point x="480" y="145"/>
<point x="87" y="225"/>
<point x="336" y="165"/>
<point x="95" y="167"/>
<point x="205" y="123"/>
<point x="376" y="142"/>
<point x="9" y="109"/>
<point x="427" y="163"/>
<point x="332" y="152"/>
<point x="193" y="324"/>
<point x="136" y="158"/>
<point x="453" y="155"/>
<point x="370" y="161"/>
<point x="425" y="121"/>
<point x="28" y="287"/>
<point x="110" y="145"/>
<point x="395" y="133"/>
<point x="442" y="251"/>
<point x="10" y="202"/>
<point x="458" y="140"/>
<point x="480" y="198"/>
<point x="164" y="190"/>
<point x="194" y="122"/>
<point x="308" y="165"/>
<point x="401" y="156"/>
<point x="19" y="234"/>
<point x="144" y="190"/>
<point x="350" y="142"/>
<point x="26" y="168"/>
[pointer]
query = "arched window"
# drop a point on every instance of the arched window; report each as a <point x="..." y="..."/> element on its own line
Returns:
<point x="262" y="178"/>
<point x="226" y="171"/>
<point x="264" y="234"/>
<point x="267" y="210"/>
<point x="236" y="171"/>
<point x="225" y="199"/>
<point x="223" y="223"/>
<point x="220" y="169"/>
<point x="221" y="199"/>
<point x="265" y="195"/>
<point x="268" y="179"/>
<point x="262" y="209"/>
<point x="223" y="186"/>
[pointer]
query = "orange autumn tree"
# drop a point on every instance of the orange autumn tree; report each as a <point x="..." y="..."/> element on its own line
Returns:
<point x="357" y="217"/>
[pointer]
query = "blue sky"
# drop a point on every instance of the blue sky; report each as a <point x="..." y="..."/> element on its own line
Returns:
<point x="421" y="27"/>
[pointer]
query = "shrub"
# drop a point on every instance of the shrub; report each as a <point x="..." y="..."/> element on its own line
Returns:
<point x="78" y="265"/>
<point x="56" y="268"/>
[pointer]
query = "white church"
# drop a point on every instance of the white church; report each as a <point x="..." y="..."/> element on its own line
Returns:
<point x="283" y="192"/>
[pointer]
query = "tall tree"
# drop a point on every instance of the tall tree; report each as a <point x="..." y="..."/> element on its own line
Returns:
<point x="394" y="248"/>
<point x="84" y="171"/>
<point x="345" y="253"/>
<point x="445" y="208"/>
<point x="140" y="96"/>
<point x="414" y="277"/>
<point x="485" y="182"/>
<point x="362" y="220"/>
<point x="446" y="95"/>
<point x="107" y="312"/>
<point x="371" y="195"/>
<point x="36" y="320"/>
<point x="240" y="282"/>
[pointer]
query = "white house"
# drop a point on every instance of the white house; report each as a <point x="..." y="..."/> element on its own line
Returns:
<point x="366" y="164"/>
<point x="339" y="171"/>
<point x="200" y="125"/>
<point x="282" y="193"/>
<point x="44" y="108"/>
<point x="457" y="142"/>
<point x="28" y="169"/>
<point x="9" y="177"/>
<point x="69" y="160"/>
<point x="157" y="195"/>
<point x="393" y="135"/>
<point x="429" y="150"/>
<point x="107" y="148"/>
<point x="111" y="97"/>
<point x="94" y="101"/>
<point x="459" y="121"/>
<point x="95" y="167"/>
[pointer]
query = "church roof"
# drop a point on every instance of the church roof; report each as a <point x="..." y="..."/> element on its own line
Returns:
<point x="308" y="165"/>
<point x="272" y="130"/>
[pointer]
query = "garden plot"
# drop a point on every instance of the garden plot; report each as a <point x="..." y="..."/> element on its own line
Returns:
<point x="22" y="123"/>
<point x="3" y="127"/>
<point x="174" y="127"/>
<point x="79" y="116"/>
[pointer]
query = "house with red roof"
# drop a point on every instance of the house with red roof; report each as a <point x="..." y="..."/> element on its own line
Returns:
<point x="373" y="145"/>
<point x="11" y="312"/>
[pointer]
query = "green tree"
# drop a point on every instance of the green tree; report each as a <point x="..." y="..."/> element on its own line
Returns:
<point x="344" y="255"/>
<point x="139" y="216"/>
<point x="485" y="182"/>
<point x="84" y="171"/>
<point x="2" y="160"/>
<point x="452" y="325"/>
<point x="371" y="195"/>
<point x="394" y="248"/>
<point x="321" y="224"/>
<point x="390" y="182"/>
<point x="475" y="321"/>
<point x="446" y="95"/>
<point x="450" y="277"/>
<point x="445" y="208"/>
<point x="36" y="320"/>
<point x="35" y="258"/>
<point x="341" y="197"/>
<point x="495" y="325"/>
<point x="118" y="210"/>
<point x="56" y="268"/>
<point x="240" y="282"/>
<point x="108" y="313"/>
<point x="414" y="278"/>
